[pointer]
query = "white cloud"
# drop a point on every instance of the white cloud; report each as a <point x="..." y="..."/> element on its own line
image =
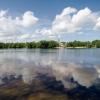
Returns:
<point x="71" y="20"/>
<point x="81" y="17"/>
<point x="28" y="19"/>
<point x="13" y="27"/>
<point x="98" y="24"/>
<point x="44" y="31"/>
<point x="3" y="13"/>
<point x="62" y="22"/>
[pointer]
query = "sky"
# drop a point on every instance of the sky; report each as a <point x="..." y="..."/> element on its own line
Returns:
<point x="34" y="20"/>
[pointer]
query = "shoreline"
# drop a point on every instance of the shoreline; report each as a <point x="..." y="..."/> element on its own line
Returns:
<point x="53" y="48"/>
<point x="79" y="47"/>
<point x="76" y="47"/>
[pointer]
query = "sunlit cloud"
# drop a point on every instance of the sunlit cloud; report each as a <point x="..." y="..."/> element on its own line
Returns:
<point x="13" y="28"/>
<point x="29" y="27"/>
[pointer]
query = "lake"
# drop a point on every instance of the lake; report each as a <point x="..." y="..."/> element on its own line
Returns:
<point x="45" y="74"/>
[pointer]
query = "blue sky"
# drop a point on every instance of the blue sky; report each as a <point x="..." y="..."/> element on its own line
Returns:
<point x="47" y="8"/>
<point x="43" y="14"/>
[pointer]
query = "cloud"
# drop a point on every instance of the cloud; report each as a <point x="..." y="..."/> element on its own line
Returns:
<point x="25" y="27"/>
<point x="28" y="19"/>
<point x="72" y="20"/>
<point x="44" y="31"/>
<point x="97" y="24"/>
<point x="62" y="22"/>
<point x="11" y="28"/>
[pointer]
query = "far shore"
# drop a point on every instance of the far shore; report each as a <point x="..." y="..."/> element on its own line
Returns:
<point x="51" y="44"/>
<point x="78" y="47"/>
<point x="74" y="47"/>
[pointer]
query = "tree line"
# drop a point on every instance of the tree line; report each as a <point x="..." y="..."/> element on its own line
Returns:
<point x="40" y="44"/>
<point x="86" y="44"/>
<point x="51" y="44"/>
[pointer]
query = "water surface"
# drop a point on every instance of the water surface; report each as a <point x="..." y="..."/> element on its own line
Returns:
<point x="64" y="71"/>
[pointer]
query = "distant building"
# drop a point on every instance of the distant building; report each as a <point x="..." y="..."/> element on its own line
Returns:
<point x="61" y="44"/>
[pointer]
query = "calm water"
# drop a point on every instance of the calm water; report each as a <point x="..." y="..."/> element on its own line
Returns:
<point x="70" y="67"/>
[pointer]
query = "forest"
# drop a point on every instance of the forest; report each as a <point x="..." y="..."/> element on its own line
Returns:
<point x="40" y="44"/>
<point x="51" y="44"/>
<point x="84" y="44"/>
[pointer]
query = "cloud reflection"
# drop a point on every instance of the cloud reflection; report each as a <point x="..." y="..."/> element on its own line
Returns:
<point x="69" y="74"/>
<point x="83" y="75"/>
